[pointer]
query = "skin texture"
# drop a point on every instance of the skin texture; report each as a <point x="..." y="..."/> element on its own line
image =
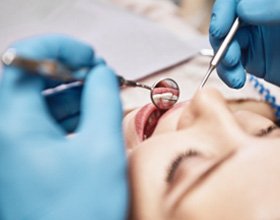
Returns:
<point x="226" y="165"/>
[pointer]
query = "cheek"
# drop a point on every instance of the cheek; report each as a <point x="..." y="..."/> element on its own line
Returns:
<point x="147" y="165"/>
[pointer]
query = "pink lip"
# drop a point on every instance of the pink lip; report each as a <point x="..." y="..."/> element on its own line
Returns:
<point x="142" y="118"/>
<point x="146" y="119"/>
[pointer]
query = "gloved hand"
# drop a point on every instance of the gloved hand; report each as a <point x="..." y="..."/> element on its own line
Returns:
<point x="45" y="175"/>
<point x="257" y="43"/>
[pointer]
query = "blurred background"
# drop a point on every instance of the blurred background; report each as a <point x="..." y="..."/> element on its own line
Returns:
<point x="138" y="38"/>
<point x="195" y="13"/>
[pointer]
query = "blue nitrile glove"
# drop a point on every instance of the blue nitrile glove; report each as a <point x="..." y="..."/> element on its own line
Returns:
<point x="65" y="108"/>
<point x="45" y="175"/>
<point x="65" y="105"/>
<point x="257" y="43"/>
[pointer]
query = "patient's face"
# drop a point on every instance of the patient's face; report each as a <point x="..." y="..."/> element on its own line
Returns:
<point x="205" y="159"/>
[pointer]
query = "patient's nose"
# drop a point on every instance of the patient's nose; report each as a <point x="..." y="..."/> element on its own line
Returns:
<point x="208" y="108"/>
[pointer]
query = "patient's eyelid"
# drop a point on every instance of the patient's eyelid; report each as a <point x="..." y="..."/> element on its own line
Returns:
<point x="267" y="131"/>
<point x="177" y="161"/>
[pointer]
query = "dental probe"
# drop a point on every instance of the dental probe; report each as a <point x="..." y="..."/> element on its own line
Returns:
<point x="219" y="54"/>
<point x="47" y="68"/>
<point x="131" y="83"/>
<point x="52" y="69"/>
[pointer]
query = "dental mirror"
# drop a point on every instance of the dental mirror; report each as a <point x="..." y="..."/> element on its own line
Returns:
<point x="165" y="93"/>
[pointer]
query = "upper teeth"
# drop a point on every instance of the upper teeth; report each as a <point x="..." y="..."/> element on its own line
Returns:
<point x="165" y="96"/>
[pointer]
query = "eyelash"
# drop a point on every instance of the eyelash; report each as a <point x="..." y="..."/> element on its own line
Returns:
<point x="171" y="170"/>
<point x="267" y="131"/>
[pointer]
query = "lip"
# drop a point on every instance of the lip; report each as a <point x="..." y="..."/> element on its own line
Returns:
<point x="144" y="115"/>
<point x="147" y="116"/>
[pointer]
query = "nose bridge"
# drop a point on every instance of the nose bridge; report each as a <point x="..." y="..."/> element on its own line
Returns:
<point x="210" y="111"/>
<point x="209" y="102"/>
<point x="205" y="108"/>
<point x="215" y="115"/>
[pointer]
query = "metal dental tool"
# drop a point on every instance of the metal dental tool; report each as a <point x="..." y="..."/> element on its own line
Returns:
<point x="164" y="93"/>
<point x="46" y="68"/>
<point x="219" y="54"/>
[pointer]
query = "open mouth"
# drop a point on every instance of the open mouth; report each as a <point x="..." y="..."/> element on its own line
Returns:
<point x="146" y="120"/>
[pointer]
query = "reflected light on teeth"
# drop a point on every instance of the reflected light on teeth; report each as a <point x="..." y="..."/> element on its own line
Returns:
<point x="168" y="96"/>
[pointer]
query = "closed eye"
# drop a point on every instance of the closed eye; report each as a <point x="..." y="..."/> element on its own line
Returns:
<point x="177" y="161"/>
<point x="267" y="131"/>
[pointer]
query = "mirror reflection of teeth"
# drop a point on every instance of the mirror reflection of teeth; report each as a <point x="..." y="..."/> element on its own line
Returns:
<point x="165" y="96"/>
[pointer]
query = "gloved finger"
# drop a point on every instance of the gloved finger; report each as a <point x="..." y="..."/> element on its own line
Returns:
<point x="223" y="16"/>
<point x="259" y="12"/>
<point x="232" y="55"/>
<point x="101" y="112"/>
<point x="253" y="54"/>
<point x="234" y="77"/>
<point x="22" y="104"/>
<point x="71" y="52"/>
<point x="100" y="129"/>
<point x="243" y="37"/>
<point x="65" y="107"/>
